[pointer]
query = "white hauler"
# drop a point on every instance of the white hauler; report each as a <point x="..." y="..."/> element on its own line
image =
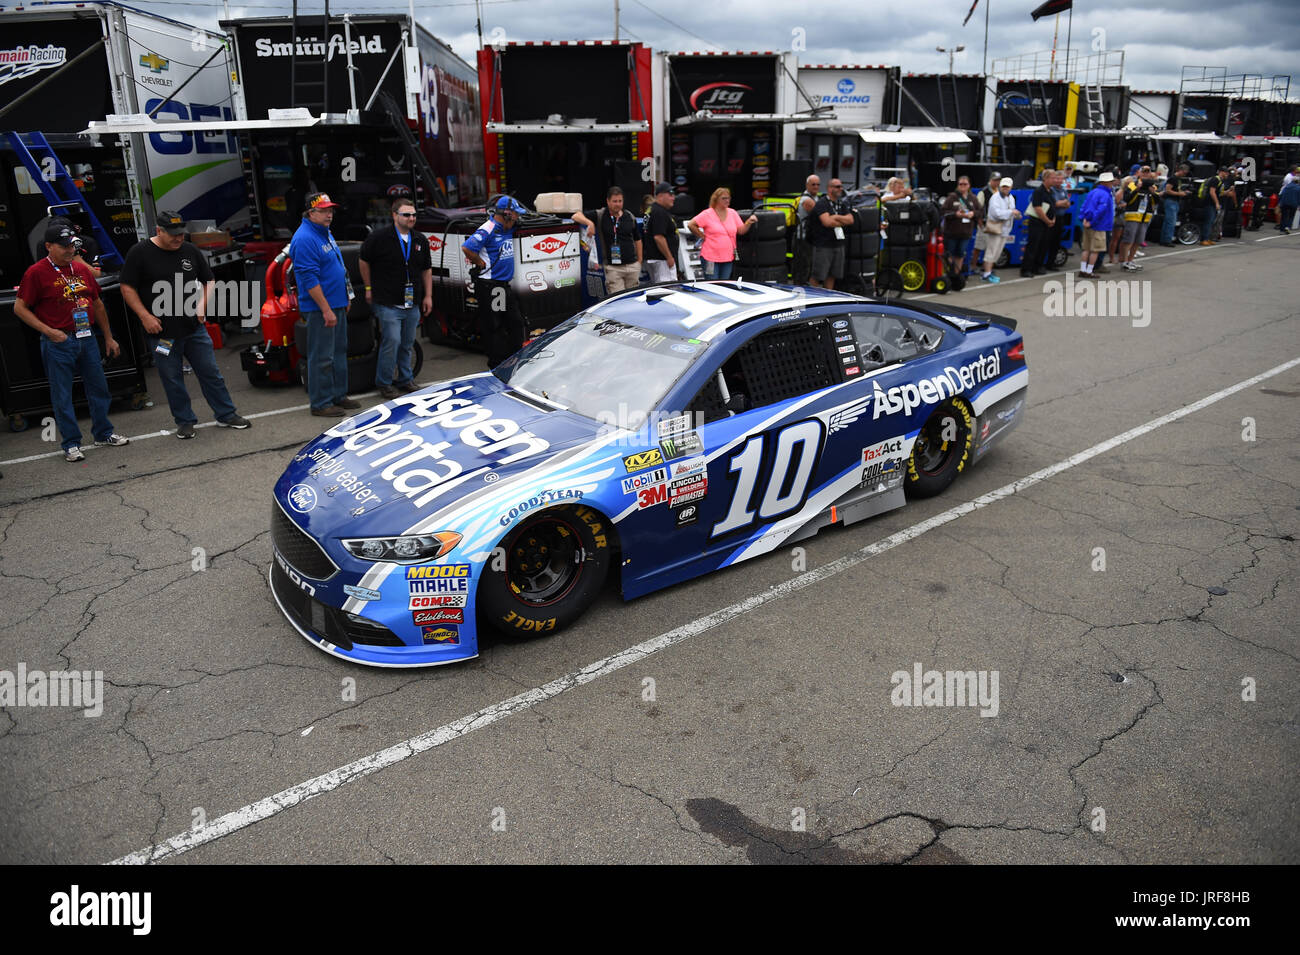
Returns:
<point x="418" y="468"/>
<point x="930" y="391"/>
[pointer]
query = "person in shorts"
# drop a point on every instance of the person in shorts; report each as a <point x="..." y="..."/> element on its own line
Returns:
<point x="1098" y="214"/>
<point x="826" y="233"/>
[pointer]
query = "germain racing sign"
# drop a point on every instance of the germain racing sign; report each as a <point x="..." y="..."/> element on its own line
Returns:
<point x="857" y="97"/>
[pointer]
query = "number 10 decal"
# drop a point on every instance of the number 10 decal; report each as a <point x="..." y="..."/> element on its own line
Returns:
<point x="787" y="486"/>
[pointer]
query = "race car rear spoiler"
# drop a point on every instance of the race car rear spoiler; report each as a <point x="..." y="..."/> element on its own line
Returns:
<point x="964" y="319"/>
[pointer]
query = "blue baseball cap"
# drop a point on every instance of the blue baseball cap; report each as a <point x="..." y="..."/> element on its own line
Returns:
<point x="510" y="204"/>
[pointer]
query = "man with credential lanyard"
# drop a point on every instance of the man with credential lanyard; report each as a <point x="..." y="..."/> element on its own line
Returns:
<point x="491" y="252"/>
<point x="397" y="260"/>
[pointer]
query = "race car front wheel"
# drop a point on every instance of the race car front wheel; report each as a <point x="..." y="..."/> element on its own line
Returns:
<point x="941" y="451"/>
<point x="546" y="572"/>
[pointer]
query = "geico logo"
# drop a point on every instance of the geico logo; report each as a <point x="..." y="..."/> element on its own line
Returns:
<point x="646" y="459"/>
<point x="657" y="476"/>
<point x="441" y="570"/>
<point x="652" y="496"/>
<point x="953" y="381"/>
<point x="883" y="448"/>
<point x="442" y="585"/>
<point x="524" y="623"/>
<point x="293" y="575"/>
<point x="369" y="432"/>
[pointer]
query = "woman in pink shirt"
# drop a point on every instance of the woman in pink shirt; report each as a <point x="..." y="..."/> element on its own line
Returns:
<point x="718" y="226"/>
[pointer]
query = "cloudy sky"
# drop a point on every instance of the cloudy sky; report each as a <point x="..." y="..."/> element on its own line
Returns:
<point x="1158" y="39"/>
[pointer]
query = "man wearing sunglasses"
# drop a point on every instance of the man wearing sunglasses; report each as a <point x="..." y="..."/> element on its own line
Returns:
<point x="396" y="260"/>
<point x="491" y="254"/>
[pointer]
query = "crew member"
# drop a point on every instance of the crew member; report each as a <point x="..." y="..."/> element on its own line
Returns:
<point x="57" y="297"/>
<point x="802" y="247"/>
<point x="323" y="297"/>
<point x="661" y="229"/>
<point x="178" y="282"/>
<point x="396" y="259"/>
<point x="491" y="252"/>
<point x="826" y="225"/>
<point x="620" y="241"/>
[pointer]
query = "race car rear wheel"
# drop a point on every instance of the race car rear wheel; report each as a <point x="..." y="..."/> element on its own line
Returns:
<point x="941" y="451"/>
<point x="546" y="572"/>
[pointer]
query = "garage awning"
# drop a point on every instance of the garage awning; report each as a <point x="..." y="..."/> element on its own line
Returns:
<point x="124" y="123"/>
<point x="705" y="118"/>
<point x="575" y="126"/>
<point x="913" y="135"/>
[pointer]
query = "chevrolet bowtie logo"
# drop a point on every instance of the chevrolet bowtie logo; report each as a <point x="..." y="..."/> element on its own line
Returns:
<point x="154" y="62"/>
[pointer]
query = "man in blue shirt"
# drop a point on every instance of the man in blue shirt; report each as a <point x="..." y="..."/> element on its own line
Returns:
<point x="491" y="252"/>
<point x="1098" y="215"/>
<point x="323" y="297"/>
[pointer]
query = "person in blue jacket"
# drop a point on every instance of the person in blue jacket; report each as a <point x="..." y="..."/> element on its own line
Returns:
<point x="1287" y="202"/>
<point x="1098" y="215"/>
<point x="323" y="297"/>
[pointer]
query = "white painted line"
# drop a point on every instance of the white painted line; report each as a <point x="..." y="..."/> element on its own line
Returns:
<point x="1280" y="235"/>
<point x="272" y="805"/>
<point x="165" y="433"/>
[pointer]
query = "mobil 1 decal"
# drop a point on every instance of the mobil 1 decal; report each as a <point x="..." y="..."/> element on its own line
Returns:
<point x="771" y="474"/>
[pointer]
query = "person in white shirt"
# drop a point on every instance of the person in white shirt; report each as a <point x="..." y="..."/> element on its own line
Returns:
<point x="1002" y="215"/>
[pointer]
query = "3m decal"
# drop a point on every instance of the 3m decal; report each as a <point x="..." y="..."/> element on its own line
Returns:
<point x="650" y="496"/>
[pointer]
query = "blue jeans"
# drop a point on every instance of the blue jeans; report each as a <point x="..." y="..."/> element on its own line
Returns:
<point x="327" y="359"/>
<point x="716" y="270"/>
<point x="197" y="347"/>
<point x="397" y="328"/>
<point x="1208" y="213"/>
<point x="1170" y="222"/>
<point x="63" y="360"/>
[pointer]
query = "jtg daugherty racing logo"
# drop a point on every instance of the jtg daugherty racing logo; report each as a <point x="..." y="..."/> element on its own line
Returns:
<point x="402" y="448"/>
<point x="953" y="381"/>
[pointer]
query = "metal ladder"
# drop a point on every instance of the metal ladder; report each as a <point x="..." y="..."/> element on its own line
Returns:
<point x="434" y="194"/>
<point x="949" y="105"/>
<point x="1096" y="109"/>
<point x="59" y="189"/>
<point x="309" y="80"/>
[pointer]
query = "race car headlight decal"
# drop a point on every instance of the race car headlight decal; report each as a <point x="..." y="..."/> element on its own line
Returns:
<point x="403" y="550"/>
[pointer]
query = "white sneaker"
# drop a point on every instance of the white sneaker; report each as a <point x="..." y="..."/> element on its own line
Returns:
<point x="114" y="440"/>
<point x="73" y="454"/>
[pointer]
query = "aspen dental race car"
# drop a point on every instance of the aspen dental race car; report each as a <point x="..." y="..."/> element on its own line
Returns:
<point x="659" y="435"/>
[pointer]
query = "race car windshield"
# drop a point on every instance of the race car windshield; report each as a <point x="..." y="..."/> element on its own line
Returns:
<point x="610" y="371"/>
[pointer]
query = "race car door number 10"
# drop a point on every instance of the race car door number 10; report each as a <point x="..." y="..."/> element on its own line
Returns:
<point x="784" y="492"/>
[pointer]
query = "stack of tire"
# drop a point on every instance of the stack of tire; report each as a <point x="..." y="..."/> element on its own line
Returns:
<point x="910" y="224"/>
<point x="763" y="248"/>
<point x="862" y="249"/>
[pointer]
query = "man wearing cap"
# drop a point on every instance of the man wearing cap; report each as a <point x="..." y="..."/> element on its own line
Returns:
<point x="661" y="230"/>
<point x="57" y="296"/>
<point x="491" y="252"/>
<point x="1177" y="187"/>
<point x="619" y="240"/>
<point x="1098" y="214"/>
<point x="172" y="276"/>
<point x="397" y="261"/>
<point x="323" y="297"/>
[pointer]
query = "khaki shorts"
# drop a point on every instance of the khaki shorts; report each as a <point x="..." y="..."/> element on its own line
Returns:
<point x="1094" y="241"/>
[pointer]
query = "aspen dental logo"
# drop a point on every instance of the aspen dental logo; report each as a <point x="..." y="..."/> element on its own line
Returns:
<point x="79" y="689"/>
<point x="18" y="62"/>
<point x="419" y="468"/>
<point x="75" y="907"/>
<point x="930" y="391"/>
<point x="946" y="688"/>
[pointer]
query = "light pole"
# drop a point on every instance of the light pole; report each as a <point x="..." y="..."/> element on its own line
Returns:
<point x="951" y="53"/>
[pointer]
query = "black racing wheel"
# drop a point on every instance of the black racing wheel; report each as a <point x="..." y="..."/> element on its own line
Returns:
<point x="941" y="451"/>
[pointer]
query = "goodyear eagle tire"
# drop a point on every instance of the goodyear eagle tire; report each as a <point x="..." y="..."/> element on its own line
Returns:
<point x="548" y="571"/>
<point x="941" y="451"/>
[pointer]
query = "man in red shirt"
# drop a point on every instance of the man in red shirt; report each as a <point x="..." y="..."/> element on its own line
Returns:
<point x="57" y="297"/>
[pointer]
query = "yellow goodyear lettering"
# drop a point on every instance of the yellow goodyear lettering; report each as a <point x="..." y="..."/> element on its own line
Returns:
<point x="592" y="520"/>
<point x="530" y="625"/>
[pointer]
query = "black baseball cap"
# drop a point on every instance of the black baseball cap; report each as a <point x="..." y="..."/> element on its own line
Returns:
<point x="662" y="188"/>
<point x="171" y="223"/>
<point x="60" y="235"/>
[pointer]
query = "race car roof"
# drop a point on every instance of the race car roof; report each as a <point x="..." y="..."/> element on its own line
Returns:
<point x="704" y="310"/>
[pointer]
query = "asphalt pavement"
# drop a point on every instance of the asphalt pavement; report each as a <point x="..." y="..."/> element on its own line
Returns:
<point x="1129" y="612"/>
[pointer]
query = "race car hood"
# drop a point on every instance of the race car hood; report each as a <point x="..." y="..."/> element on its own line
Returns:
<point x="399" y="463"/>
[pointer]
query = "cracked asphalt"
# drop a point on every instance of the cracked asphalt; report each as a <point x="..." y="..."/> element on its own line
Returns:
<point x="1120" y="690"/>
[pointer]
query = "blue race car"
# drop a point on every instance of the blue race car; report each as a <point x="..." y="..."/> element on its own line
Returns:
<point x="661" y="434"/>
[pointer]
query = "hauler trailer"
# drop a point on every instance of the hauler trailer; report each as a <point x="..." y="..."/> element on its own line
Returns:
<point x="64" y="66"/>
<point x="604" y="129"/>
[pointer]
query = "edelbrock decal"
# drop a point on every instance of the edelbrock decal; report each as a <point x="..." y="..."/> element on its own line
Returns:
<point x="953" y="381"/>
<point x="477" y="429"/>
